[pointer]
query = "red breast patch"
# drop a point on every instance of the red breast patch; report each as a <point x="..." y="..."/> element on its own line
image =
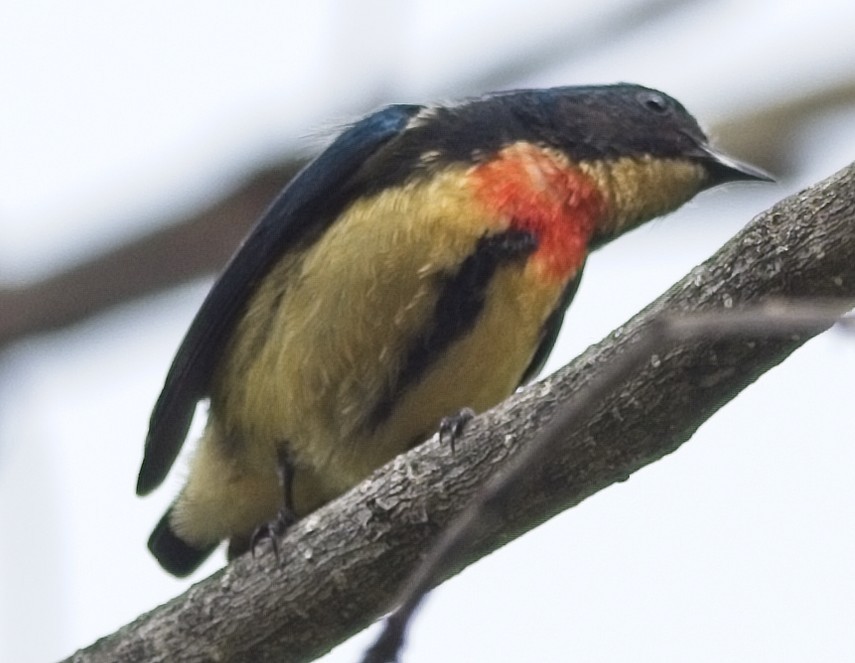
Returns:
<point x="538" y="190"/>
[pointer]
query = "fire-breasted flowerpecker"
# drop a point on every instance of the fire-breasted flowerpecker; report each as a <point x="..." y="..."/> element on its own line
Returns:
<point x="420" y="265"/>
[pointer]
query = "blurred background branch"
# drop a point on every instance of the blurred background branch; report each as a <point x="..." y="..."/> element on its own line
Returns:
<point x="188" y="248"/>
<point x="175" y="253"/>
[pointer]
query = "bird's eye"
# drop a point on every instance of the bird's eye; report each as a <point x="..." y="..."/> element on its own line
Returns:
<point x="653" y="101"/>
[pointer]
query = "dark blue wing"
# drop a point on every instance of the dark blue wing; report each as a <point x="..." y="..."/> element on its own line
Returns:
<point x="304" y="205"/>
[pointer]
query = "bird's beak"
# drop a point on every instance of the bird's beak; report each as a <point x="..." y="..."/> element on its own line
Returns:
<point x="722" y="168"/>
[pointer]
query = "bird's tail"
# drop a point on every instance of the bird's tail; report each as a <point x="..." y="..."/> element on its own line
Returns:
<point x="174" y="554"/>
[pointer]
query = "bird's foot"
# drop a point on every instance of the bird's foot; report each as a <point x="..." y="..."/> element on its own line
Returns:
<point x="451" y="427"/>
<point x="272" y="530"/>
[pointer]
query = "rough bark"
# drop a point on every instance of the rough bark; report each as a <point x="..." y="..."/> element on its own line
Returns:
<point x="341" y="567"/>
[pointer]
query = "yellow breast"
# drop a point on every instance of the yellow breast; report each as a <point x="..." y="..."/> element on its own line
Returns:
<point x="327" y="332"/>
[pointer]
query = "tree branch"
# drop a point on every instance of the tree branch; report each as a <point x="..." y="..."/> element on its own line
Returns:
<point x="342" y="566"/>
<point x="773" y="320"/>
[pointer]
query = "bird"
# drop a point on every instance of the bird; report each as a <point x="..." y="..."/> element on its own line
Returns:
<point x="419" y="267"/>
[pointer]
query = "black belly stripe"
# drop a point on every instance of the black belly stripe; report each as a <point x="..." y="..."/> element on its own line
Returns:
<point x="551" y="328"/>
<point x="459" y="304"/>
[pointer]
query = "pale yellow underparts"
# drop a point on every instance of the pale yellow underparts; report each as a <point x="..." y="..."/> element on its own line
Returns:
<point x="327" y="330"/>
<point x="323" y="337"/>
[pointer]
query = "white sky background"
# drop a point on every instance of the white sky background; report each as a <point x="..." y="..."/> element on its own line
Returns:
<point x="737" y="547"/>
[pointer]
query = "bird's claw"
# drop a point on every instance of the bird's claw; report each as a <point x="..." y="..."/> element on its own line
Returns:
<point x="452" y="426"/>
<point x="273" y="530"/>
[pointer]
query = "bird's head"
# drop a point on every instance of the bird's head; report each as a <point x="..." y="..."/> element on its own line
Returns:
<point x="644" y="150"/>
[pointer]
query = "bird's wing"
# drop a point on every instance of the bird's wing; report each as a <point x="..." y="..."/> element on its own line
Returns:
<point x="300" y="208"/>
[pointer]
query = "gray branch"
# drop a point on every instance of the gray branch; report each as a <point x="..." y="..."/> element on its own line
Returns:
<point x="341" y="567"/>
